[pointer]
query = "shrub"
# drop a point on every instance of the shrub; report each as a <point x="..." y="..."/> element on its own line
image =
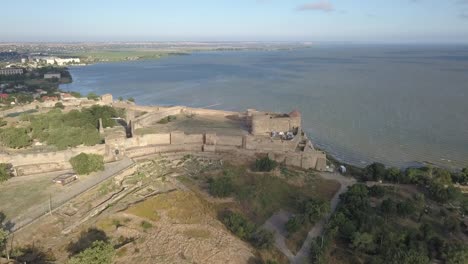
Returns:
<point x="100" y="252"/>
<point x="5" y="171"/>
<point x="87" y="163"/>
<point x="294" y="223"/>
<point x="14" y="137"/>
<point x="262" y="239"/>
<point x="221" y="187"/>
<point x="59" y="105"/>
<point x="146" y="225"/>
<point x="377" y="191"/>
<point x="265" y="164"/>
<point x="239" y="225"/>
<point x="167" y="119"/>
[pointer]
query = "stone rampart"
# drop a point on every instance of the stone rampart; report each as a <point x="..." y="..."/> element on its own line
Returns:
<point x="49" y="161"/>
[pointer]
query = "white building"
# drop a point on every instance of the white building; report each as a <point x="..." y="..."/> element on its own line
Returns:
<point x="52" y="75"/>
<point x="11" y="71"/>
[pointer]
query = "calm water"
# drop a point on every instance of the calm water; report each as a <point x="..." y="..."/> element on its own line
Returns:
<point x="392" y="104"/>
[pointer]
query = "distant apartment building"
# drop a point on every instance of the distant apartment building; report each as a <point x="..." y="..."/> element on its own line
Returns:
<point x="55" y="60"/>
<point x="52" y="75"/>
<point x="11" y="71"/>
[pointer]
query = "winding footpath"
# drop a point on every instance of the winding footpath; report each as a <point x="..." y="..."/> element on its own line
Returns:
<point x="277" y="221"/>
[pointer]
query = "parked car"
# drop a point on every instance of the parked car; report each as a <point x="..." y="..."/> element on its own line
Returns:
<point x="65" y="179"/>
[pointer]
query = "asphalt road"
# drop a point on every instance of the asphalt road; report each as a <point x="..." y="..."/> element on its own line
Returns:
<point x="74" y="189"/>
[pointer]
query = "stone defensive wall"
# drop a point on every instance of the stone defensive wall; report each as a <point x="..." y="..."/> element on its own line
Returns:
<point x="177" y="141"/>
<point x="297" y="151"/>
<point x="26" y="164"/>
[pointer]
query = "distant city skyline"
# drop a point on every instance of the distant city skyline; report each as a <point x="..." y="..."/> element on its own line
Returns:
<point x="363" y="21"/>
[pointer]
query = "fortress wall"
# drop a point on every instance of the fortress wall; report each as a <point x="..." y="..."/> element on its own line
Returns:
<point x="19" y="109"/>
<point x="212" y="112"/>
<point x="225" y="148"/>
<point x="41" y="168"/>
<point x="50" y="157"/>
<point x="194" y="139"/>
<point x="211" y="139"/>
<point x="152" y="139"/>
<point x="229" y="140"/>
<point x="265" y="124"/>
<point x="134" y="107"/>
<point x="268" y="144"/>
<point x="149" y="150"/>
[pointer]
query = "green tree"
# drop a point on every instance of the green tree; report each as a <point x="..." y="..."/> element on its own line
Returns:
<point x="262" y="239"/>
<point x="456" y="254"/>
<point x="3" y="240"/>
<point x="5" y="172"/>
<point x="87" y="163"/>
<point x="92" y="96"/>
<point x="100" y="252"/>
<point x="131" y="99"/>
<point x="376" y="171"/>
<point x="314" y="209"/>
<point x="388" y="207"/>
<point x="363" y="242"/>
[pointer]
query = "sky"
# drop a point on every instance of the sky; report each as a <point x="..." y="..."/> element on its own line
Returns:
<point x="412" y="21"/>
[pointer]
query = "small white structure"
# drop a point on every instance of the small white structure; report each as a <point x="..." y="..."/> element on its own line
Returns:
<point x="342" y="169"/>
<point x="52" y="75"/>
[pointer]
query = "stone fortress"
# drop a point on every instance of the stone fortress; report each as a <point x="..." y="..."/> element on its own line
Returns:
<point x="279" y="136"/>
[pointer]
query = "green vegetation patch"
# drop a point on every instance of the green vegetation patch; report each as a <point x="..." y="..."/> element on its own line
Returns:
<point x="59" y="129"/>
<point x="388" y="227"/>
<point x="86" y="163"/>
<point x="260" y="196"/>
<point x="100" y="252"/>
<point x="167" y="119"/>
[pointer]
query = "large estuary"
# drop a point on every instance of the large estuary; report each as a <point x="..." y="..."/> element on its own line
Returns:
<point x="394" y="104"/>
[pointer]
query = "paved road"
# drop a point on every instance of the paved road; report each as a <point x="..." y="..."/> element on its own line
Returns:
<point x="277" y="221"/>
<point x="71" y="192"/>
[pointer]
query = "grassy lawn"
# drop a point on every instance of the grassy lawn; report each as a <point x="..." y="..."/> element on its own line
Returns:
<point x="19" y="196"/>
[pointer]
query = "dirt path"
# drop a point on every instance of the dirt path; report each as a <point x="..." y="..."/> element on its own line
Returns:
<point x="73" y="190"/>
<point x="277" y="221"/>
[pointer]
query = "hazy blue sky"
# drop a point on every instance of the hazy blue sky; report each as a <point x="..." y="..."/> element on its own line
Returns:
<point x="278" y="20"/>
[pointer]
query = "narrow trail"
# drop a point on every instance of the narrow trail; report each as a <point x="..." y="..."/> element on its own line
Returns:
<point x="277" y="221"/>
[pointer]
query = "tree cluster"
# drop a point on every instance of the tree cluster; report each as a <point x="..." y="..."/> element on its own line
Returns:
<point x="374" y="232"/>
<point x="437" y="181"/>
<point x="59" y="129"/>
<point x="246" y="230"/>
<point x="86" y="163"/>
